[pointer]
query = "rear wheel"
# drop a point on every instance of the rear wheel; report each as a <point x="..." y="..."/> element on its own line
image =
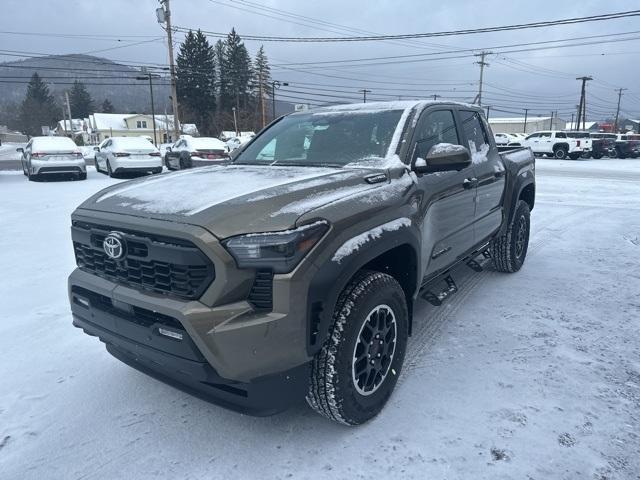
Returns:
<point x="597" y="156"/>
<point x="355" y="372"/>
<point x="574" y="156"/>
<point x="109" y="171"/>
<point x="508" y="251"/>
<point x="82" y="176"/>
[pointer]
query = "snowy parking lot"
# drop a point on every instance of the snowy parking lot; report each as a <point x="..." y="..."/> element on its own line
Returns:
<point x="530" y="375"/>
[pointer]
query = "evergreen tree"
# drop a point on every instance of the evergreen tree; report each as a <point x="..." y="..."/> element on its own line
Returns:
<point x="38" y="108"/>
<point x="262" y="84"/>
<point x="235" y="90"/>
<point x="196" y="75"/>
<point x="107" y="106"/>
<point x="80" y="101"/>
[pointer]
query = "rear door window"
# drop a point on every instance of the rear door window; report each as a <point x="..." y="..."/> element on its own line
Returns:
<point x="561" y="135"/>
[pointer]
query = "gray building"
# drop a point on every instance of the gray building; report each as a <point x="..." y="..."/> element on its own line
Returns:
<point x="534" y="124"/>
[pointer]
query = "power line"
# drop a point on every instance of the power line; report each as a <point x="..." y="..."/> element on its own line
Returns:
<point x="521" y="26"/>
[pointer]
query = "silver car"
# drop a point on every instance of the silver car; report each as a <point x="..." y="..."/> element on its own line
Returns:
<point x="52" y="155"/>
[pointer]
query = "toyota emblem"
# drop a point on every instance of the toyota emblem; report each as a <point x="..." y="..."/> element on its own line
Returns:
<point x="114" y="246"/>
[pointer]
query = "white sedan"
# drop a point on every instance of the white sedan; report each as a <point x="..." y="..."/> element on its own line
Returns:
<point x="52" y="155"/>
<point x="128" y="154"/>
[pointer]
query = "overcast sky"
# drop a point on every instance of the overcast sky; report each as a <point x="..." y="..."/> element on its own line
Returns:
<point x="540" y="80"/>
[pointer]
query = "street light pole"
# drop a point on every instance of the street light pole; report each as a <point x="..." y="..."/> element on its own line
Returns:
<point x="149" y="77"/>
<point x="276" y="84"/>
<point x="235" y="122"/>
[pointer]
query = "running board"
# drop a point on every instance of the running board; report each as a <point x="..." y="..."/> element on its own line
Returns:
<point x="437" y="299"/>
<point x="475" y="266"/>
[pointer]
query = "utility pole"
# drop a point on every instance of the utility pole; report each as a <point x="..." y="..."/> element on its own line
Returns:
<point x="526" y="112"/>
<point x="261" y="100"/>
<point x="482" y="64"/>
<point x="572" y="117"/>
<point x="615" y="124"/>
<point x="582" y="108"/>
<point x="488" y="110"/>
<point x="66" y="96"/>
<point x="436" y="97"/>
<point x="551" y="121"/>
<point x="164" y="16"/>
<point x="364" y="92"/>
<point x="149" y="76"/>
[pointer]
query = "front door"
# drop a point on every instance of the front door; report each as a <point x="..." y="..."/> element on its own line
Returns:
<point x="448" y="201"/>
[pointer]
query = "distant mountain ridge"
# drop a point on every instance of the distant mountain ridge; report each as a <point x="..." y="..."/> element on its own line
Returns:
<point x="103" y="78"/>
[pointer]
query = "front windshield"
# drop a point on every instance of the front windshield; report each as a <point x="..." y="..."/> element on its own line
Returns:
<point x="324" y="139"/>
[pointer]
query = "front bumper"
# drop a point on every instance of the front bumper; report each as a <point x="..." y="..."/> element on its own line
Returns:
<point x="134" y="337"/>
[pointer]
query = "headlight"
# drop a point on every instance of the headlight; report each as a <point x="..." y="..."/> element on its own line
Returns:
<point x="279" y="251"/>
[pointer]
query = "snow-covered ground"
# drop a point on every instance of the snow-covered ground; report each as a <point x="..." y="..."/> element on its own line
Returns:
<point x="530" y="375"/>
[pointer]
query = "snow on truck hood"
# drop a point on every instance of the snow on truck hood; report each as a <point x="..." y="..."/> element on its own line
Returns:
<point x="233" y="199"/>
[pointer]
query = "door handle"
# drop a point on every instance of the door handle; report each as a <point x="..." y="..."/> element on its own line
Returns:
<point x="470" y="183"/>
<point x="499" y="173"/>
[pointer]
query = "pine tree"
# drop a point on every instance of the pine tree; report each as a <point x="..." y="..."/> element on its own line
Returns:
<point x="196" y="75"/>
<point x="38" y="108"/>
<point x="80" y="101"/>
<point x="107" y="106"/>
<point x="262" y="83"/>
<point x="235" y="91"/>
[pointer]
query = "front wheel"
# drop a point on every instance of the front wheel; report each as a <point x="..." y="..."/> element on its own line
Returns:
<point x="508" y="251"/>
<point x="355" y="372"/>
<point x="560" y="153"/>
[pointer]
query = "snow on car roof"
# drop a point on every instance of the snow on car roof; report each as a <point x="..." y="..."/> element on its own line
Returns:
<point x="53" y="143"/>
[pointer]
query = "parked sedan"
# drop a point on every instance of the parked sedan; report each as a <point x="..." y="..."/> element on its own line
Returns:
<point x="52" y="155"/>
<point x="128" y="154"/>
<point x="189" y="152"/>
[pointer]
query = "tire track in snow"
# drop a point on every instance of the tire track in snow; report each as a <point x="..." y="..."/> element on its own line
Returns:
<point x="430" y="320"/>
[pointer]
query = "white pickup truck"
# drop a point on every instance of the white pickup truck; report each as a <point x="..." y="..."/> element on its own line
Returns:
<point x="557" y="143"/>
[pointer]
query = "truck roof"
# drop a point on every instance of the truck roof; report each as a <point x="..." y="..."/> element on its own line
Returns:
<point x="379" y="106"/>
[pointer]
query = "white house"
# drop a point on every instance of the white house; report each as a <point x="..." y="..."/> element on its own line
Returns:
<point x="105" y="125"/>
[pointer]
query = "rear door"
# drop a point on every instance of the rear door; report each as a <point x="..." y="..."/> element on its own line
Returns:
<point x="490" y="172"/>
<point x="447" y="205"/>
<point x="545" y="143"/>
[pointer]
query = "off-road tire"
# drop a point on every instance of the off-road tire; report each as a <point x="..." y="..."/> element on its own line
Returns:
<point x="82" y="176"/>
<point x="332" y="390"/>
<point x="597" y="156"/>
<point x="560" y="153"/>
<point x="509" y="251"/>
<point x="574" y="156"/>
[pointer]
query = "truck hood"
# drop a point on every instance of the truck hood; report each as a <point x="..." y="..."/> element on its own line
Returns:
<point x="233" y="199"/>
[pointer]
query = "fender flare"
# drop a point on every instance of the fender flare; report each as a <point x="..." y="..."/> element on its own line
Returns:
<point x="517" y="181"/>
<point x="332" y="277"/>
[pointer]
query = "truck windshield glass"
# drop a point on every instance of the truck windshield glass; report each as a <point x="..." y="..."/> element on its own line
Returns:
<point x="324" y="139"/>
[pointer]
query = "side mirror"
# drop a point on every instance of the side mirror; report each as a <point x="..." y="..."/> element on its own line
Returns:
<point x="97" y="149"/>
<point x="20" y="149"/>
<point x="442" y="157"/>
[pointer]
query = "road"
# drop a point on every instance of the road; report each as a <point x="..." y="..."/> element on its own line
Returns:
<point x="529" y="375"/>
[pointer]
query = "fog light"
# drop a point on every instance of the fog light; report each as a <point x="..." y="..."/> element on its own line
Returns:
<point x="170" y="333"/>
<point x="81" y="301"/>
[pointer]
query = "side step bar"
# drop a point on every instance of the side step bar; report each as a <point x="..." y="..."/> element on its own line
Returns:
<point x="437" y="299"/>
<point x="451" y="287"/>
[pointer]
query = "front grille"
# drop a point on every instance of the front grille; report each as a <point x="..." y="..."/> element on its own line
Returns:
<point x="158" y="264"/>
<point x="261" y="295"/>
